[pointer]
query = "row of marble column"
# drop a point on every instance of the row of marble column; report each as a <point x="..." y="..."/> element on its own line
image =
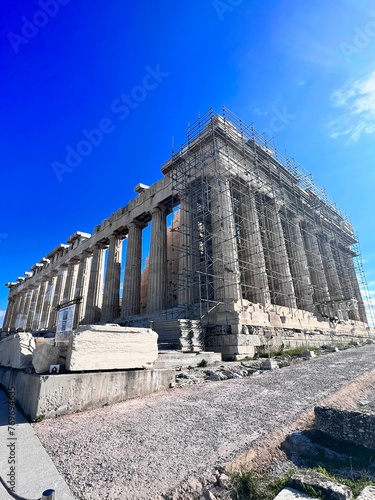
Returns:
<point x="282" y="259"/>
<point x="273" y="257"/>
<point x="81" y="280"/>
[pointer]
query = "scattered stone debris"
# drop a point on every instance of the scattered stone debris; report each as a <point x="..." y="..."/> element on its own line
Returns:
<point x="218" y="371"/>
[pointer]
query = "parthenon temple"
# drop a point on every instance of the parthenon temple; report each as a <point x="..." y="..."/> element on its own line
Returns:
<point x="252" y="246"/>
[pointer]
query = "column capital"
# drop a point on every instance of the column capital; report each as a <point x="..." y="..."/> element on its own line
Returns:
<point x="86" y="253"/>
<point x="137" y="223"/>
<point x="278" y="204"/>
<point x="100" y="245"/>
<point x="116" y="235"/>
<point x="159" y="208"/>
<point x="73" y="261"/>
<point x="297" y="218"/>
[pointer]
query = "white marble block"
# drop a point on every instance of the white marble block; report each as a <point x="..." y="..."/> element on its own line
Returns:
<point x="44" y="356"/>
<point x="111" y="347"/>
<point x="16" y="350"/>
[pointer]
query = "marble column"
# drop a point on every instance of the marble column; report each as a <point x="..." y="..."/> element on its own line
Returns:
<point x="316" y="268"/>
<point x="157" y="272"/>
<point x="255" y="272"/>
<point x="70" y="282"/>
<point x="299" y="266"/>
<point x="20" y="309"/>
<point x="81" y="287"/>
<point x="26" y="310"/>
<point x="355" y="287"/>
<point x="279" y="260"/>
<point x="46" y="311"/>
<point x="8" y="313"/>
<point x="131" y="295"/>
<point x="10" y="316"/>
<point x="332" y="277"/>
<point x="346" y="284"/>
<point x="185" y="255"/>
<point x="111" y="293"/>
<point x="95" y="289"/>
<point x="39" y="305"/>
<point x="34" y="298"/>
<point x="57" y="296"/>
<point x="13" y="313"/>
<point x="226" y="278"/>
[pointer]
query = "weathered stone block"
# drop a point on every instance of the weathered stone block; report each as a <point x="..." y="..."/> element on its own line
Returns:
<point x="290" y="494"/>
<point x="321" y="484"/>
<point x="269" y="364"/>
<point x="111" y="347"/>
<point x="357" y="427"/>
<point x="44" y="356"/>
<point x="259" y="318"/>
<point x="308" y="354"/>
<point x="16" y="350"/>
<point x="367" y="494"/>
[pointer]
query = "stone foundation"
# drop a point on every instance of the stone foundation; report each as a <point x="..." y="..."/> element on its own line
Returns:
<point x="54" y="395"/>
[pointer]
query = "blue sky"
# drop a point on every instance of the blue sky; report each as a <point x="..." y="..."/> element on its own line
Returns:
<point x="301" y="71"/>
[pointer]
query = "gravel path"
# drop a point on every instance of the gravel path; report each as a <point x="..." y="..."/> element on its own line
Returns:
<point x="143" y="448"/>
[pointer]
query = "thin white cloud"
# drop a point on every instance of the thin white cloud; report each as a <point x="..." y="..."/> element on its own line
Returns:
<point x="356" y="104"/>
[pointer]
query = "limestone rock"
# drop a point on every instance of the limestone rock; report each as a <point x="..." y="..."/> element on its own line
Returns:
<point x="320" y="483"/>
<point x="367" y="494"/>
<point x="44" y="356"/>
<point x="209" y="495"/>
<point x="224" y="481"/>
<point x="16" y="350"/>
<point x="308" y="354"/>
<point x="269" y="364"/>
<point x="352" y="426"/>
<point x="111" y="347"/>
<point x="290" y="494"/>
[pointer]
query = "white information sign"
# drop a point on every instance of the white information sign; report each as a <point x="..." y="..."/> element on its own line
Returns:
<point x="65" y="322"/>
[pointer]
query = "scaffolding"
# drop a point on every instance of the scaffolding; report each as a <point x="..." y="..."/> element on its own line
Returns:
<point x="246" y="213"/>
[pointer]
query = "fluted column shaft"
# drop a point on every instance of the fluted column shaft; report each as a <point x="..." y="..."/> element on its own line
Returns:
<point x="39" y="306"/>
<point x="356" y="288"/>
<point x="94" y="294"/>
<point x="48" y="298"/>
<point x="13" y="314"/>
<point x="282" y="276"/>
<point x="332" y="277"/>
<point x="57" y="297"/>
<point x="34" y="298"/>
<point x="224" y="242"/>
<point x="157" y="273"/>
<point x="20" y="309"/>
<point x="255" y="272"/>
<point x="316" y="268"/>
<point x="346" y="284"/>
<point x="186" y="282"/>
<point x="299" y="267"/>
<point x="81" y="287"/>
<point x="8" y="313"/>
<point x="70" y="282"/>
<point x="131" y="296"/>
<point x="111" y="294"/>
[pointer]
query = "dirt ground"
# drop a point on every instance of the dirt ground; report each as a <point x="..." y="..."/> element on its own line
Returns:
<point x="145" y="448"/>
